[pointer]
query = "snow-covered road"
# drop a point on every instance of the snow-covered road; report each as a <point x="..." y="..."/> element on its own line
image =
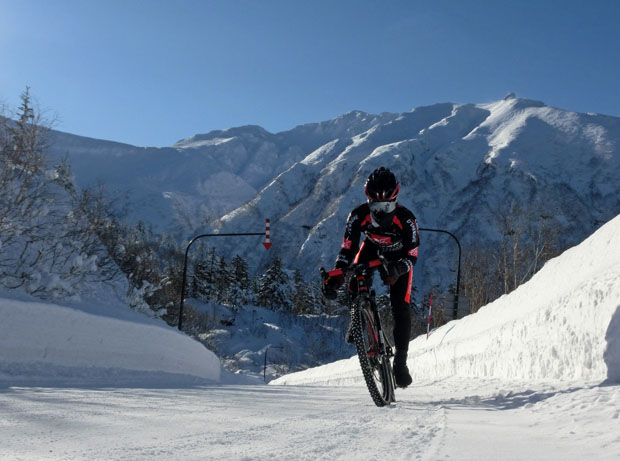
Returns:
<point x="473" y="420"/>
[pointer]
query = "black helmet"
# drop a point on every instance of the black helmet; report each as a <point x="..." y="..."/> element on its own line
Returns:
<point x="381" y="186"/>
<point x="382" y="190"/>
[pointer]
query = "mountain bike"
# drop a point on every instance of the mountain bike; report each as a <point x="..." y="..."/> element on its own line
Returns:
<point x="373" y="347"/>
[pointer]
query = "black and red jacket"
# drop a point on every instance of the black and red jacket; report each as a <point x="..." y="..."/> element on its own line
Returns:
<point x="400" y="241"/>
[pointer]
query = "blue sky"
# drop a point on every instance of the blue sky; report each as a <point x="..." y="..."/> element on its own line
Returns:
<point x="152" y="72"/>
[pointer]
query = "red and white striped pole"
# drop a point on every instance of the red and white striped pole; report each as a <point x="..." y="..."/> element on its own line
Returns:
<point x="267" y="242"/>
<point x="428" y="324"/>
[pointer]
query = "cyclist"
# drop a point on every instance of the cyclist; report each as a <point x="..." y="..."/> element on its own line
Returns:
<point x="389" y="230"/>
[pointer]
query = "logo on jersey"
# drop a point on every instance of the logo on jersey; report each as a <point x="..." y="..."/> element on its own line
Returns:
<point x="350" y="222"/>
<point x="414" y="230"/>
<point x="413" y="252"/>
<point x="346" y="244"/>
<point x="380" y="239"/>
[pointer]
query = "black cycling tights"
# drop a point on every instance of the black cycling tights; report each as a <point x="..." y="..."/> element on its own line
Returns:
<point x="400" y="312"/>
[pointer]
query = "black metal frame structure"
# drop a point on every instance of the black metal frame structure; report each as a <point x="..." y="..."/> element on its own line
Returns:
<point x="458" y="269"/>
<point x="185" y="264"/>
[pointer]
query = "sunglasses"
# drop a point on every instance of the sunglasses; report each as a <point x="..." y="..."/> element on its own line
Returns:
<point x="385" y="207"/>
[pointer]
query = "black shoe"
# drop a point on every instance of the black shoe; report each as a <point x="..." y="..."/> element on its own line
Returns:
<point x="401" y="372"/>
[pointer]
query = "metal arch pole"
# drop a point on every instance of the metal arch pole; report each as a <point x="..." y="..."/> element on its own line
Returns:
<point x="458" y="269"/>
<point x="265" y="365"/>
<point x="185" y="265"/>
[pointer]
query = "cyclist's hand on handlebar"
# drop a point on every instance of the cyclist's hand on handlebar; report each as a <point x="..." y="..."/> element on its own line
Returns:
<point x="331" y="285"/>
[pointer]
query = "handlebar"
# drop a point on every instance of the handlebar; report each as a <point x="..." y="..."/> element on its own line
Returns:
<point x="343" y="271"/>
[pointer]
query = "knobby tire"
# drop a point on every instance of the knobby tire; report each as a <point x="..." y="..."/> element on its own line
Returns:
<point x="376" y="366"/>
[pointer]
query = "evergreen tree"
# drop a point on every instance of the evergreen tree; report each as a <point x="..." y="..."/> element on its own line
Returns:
<point x="302" y="302"/>
<point x="317" y="299"/>
<point x="223" y="281"/>
<point x="272" y="288"/>
<point x="240" y="286"/>
<point x="205" y="274"/>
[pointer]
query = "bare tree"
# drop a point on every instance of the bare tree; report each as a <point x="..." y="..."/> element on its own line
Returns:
<point x="528" y="239"/>
<point x="48" y="244"/>
<point x="480" y="282"/>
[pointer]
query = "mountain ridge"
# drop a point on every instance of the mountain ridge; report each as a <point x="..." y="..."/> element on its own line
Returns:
<point x="458" y="164"/>
<point x="561" y="163"/>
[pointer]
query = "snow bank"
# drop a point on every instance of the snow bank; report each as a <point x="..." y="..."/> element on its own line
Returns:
<point x="564" y="324"/>
<point x="40" y="339"/>
<point x="612" y="353"/>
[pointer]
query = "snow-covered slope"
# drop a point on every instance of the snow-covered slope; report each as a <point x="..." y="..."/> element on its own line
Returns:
<point x="54" y="343"/>
<point x="184" y="187"/>
<point x="564" y="324"/>
<point x="458" y="164"/>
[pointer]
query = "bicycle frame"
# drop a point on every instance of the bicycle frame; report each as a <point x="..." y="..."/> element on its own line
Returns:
<point x="373" y="348"/>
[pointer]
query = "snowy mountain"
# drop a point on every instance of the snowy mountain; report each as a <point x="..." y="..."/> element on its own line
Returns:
<point x="184" y="187"/>
<point x="459" y="165"/>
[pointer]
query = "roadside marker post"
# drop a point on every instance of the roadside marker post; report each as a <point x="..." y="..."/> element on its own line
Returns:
<point x="428" y="324"/>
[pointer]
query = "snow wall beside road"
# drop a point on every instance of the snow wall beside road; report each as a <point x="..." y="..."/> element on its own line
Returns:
<point x="564" y="324"/>
<point x="53" y="341"/>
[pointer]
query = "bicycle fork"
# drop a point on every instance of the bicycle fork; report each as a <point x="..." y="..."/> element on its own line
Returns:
<point x="386" y="349"/>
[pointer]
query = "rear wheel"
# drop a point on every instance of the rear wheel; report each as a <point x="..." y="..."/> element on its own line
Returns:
<point x="374" y="363"/>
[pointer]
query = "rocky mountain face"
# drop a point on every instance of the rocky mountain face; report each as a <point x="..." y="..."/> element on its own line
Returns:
<point x="459" y="166"/>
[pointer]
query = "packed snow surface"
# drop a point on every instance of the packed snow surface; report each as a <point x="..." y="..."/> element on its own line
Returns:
<point x="444" y="420"/>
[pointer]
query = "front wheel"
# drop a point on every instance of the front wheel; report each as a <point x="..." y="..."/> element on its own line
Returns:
<point x="374" y="362"/>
